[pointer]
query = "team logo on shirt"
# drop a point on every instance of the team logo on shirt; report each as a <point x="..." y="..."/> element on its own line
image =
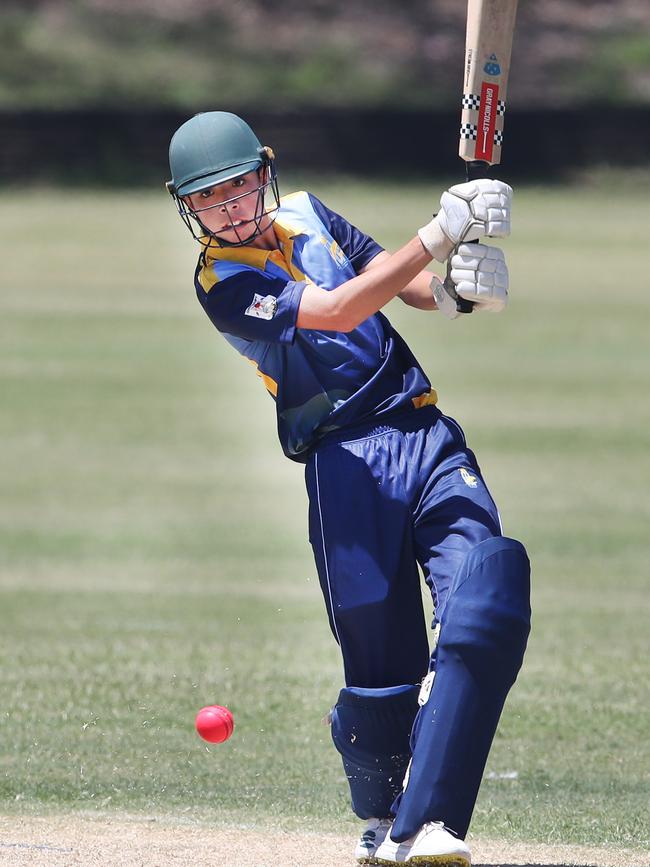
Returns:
<point x="470" y="480"/>
<point x="262" y="306"/>
<point x="334" y="250"/>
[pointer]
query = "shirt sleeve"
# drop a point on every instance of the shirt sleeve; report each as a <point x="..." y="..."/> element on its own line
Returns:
<point x="357" y="246"/>
<point x="254" y="307"/>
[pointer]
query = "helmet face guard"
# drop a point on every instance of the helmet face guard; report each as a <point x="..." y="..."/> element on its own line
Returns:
<point x="264" y="213"/>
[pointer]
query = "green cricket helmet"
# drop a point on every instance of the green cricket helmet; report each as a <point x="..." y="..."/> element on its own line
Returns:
<point x="210" y="149"/>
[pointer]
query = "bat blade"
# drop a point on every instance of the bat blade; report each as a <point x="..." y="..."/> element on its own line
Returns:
<point x="490" y="29"/>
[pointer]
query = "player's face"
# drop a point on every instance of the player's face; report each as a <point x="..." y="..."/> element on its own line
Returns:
<point x="228" y="210"/>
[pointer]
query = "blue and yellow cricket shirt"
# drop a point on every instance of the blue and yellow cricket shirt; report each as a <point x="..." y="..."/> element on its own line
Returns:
<point x="321" y="381"/>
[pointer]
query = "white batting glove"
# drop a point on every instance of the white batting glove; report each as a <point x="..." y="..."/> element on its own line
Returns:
<point x="480" y="275"/>
<point x="468" y="211"/>
<point x="476" y="273"/>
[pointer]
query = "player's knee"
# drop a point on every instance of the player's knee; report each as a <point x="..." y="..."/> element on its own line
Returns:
<point x="371" y="730"/>
<point x="487" y="617"/>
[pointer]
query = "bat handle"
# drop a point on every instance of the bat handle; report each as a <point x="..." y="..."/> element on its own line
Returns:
<point x="474" y="169"/>
<point x="464" y="306"/>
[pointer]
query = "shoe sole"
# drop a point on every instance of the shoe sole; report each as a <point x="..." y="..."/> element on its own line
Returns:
<point x="439" y="860"/>
<point x="432" y="860"/>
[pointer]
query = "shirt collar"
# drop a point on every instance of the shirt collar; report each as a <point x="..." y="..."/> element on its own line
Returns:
<point x="256" y="256"/>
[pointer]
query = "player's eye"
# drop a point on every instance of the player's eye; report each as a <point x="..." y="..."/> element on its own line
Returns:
<point x="238" y="182"/>
<point x="205" y="194"/>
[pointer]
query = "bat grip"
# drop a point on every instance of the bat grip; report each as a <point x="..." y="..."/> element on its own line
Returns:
<point x="474" y="170"/>
<point x="477" y="169"/>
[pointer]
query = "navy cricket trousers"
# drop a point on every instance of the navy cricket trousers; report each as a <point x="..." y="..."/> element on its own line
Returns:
<point x="384" y="497"/>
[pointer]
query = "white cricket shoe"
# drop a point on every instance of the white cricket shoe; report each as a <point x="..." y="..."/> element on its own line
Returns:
<point x="435" y="845"/>
<point x="390" y="852"/>
<point x="375" y="833"/>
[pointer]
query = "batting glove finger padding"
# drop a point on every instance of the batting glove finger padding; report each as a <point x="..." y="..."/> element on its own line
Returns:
<point x="480" y="275"/>
<point x="468" y="211"/>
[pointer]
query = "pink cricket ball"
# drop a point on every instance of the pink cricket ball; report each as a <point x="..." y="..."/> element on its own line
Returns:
<point x="214" y="723"/>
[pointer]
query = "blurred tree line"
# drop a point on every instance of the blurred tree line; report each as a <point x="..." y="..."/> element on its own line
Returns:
<point x="371" y="53"/>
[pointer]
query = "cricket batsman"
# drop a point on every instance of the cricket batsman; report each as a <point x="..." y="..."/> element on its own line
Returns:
<point x="298" y="291"/>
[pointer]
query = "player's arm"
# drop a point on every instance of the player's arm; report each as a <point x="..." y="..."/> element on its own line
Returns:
<point x="467" y="212"/>
<point x="347" y="306"/>
<point x="418" y="292"/>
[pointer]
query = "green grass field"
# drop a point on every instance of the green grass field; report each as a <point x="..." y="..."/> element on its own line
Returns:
<point x="153" y="546"/>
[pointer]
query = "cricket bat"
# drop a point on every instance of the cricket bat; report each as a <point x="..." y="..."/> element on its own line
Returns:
<point x="488" y="45"/>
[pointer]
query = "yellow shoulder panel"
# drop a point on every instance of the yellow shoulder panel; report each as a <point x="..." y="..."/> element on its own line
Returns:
<point x="429" y="398"/>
